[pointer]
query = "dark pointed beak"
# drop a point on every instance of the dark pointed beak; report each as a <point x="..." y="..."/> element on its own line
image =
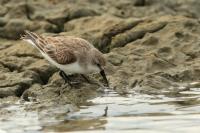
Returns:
<point x="104" y="77"/>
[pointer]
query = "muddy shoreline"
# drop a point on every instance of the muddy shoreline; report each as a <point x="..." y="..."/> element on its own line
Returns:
<point x="151" y="47"/>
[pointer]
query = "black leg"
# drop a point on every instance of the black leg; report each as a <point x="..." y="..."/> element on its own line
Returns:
<point x="86" y="79"/>
<point x="65" y="77"/>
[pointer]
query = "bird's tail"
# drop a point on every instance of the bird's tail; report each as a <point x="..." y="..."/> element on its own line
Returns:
<point x="33" y="39"/>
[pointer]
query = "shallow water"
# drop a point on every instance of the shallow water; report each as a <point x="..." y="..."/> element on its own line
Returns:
<point x="136" y="112"/>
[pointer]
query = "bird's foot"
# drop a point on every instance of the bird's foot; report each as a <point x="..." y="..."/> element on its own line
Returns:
<point x="73" y="83"/>
<point x="66" y="78"/>
<point x="67" y="85"/>
<point x="93" y="82"/>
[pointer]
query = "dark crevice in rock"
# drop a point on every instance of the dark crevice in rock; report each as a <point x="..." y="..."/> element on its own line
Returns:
<point x="81" y="12"/>
<point x="120" y="40"/>
<point x="120" y="28"/>
<point x="45" y="75"/>
<point x="140" y="3"/>
<point x="21" y="89"/>
<point x="28" y="55"/>
<point x="4" y="46"/>
<point x="27" y="10"/>
<point x="71" y="15"/>
<point x="14" y="84"/>
<point x="3" y="22"/>
<point x="59" y="23"/>
<point x="10" y="67"/>
<point x="45" y="78"/>
<point x="135" y="35"/>
<point x="10" y="85"/>
<point x="113" y="31"/>
<point x="127" y="38"/>
<point x="13" y="89"/>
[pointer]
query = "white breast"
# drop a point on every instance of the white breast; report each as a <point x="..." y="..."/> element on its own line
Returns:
<point x="92" y="68"/>
<point x="69" y="68"/>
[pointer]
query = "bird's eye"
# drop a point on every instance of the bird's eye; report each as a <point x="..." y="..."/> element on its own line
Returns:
<point x="98" y="65"/>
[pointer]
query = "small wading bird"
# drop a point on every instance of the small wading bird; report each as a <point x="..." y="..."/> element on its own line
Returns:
<point x="70" y="54"/>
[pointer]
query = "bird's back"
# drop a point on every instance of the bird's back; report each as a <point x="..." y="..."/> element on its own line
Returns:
<point x="69" y="42"/>
<point x="62" y="49"/>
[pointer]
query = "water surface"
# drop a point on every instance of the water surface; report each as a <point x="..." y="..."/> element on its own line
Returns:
<point x="134" y="111"/>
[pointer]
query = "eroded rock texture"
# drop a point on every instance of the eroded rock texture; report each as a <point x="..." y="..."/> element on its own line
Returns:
<point x="151" y="46"/>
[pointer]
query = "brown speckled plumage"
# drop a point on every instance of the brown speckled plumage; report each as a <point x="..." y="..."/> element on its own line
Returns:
<point x="70" y="54"/>
<point x="65" y="50"/>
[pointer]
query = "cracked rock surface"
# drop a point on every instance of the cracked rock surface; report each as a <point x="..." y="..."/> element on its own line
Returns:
<point x="150" y="46"/>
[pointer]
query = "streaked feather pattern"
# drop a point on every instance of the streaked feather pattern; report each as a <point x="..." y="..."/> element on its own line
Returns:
<point x="62" y="50"/>
<point x="70" y="54"/>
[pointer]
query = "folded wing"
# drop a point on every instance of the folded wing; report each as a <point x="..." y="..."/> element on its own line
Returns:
<point x="59" y="53"/>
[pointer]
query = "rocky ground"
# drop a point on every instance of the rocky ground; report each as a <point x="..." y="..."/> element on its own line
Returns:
<point x="151" y="46"/>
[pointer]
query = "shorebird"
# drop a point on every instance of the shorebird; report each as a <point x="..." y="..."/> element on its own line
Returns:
<point x="72" y="55"/>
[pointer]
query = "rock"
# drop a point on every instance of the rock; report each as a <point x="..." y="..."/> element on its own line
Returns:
<point x="44" y="69"/>
<point x="59" y="91"/>
<point x="21" y="68"/>
<point x="15" y="27"/>
<point x="81" y="12"/>
<point x="11" y="91"/>
<point x="115" y="59"/>
<point x="3" y="22"/>
<point x="151" y="47"/>
<point x="26" y="74"/>
<point x="140" y="3"/>
<point x="14" y="84"/>
<point x="17" y="11"/>
<point x="4" y="11"/>
<point x="157" y="53"/>
<point x="82" y="27"/>
<point x="50" y="16"/>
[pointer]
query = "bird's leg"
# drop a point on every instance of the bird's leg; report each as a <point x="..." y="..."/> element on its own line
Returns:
<point x="65" y="77"/>
<point x="86" y="79"/>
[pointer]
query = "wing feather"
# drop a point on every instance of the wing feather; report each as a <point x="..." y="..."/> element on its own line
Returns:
<point x="60" y="55"/>
<point x="61" y="49"/>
